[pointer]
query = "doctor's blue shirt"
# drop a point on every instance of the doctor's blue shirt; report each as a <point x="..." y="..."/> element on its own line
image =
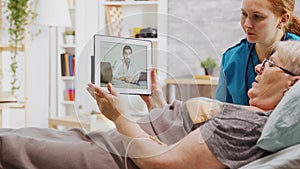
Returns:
<point x="231" y="87"/>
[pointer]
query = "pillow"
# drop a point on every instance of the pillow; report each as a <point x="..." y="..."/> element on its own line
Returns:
<point x="283" y="125"/>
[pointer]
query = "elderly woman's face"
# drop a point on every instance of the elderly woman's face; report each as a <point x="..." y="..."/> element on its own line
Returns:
<point x="270" y="84"/>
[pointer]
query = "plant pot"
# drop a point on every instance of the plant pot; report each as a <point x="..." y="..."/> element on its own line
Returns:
<point x="209" y="71"/>
<point x="69" y="39"/>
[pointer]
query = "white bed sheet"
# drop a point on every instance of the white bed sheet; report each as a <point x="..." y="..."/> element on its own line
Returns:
<point x="288" y="158"/>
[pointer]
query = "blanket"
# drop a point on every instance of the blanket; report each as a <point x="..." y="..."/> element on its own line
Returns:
<point x="49" y="148"/>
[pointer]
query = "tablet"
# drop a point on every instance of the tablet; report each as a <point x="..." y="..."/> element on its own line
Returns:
<point x="123" y="62"/>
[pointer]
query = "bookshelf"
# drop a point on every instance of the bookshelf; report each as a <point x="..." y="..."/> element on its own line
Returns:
<point x="66" y="63"/>
<point x="88" y="18"/>
<point x="137" y="15"/>
<point x="142" y="14"/>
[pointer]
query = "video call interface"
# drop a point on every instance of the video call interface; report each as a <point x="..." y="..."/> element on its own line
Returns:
<point x="123" y="65"/>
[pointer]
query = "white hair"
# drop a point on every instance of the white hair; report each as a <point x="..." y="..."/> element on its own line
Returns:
<point x="289" y="55"/>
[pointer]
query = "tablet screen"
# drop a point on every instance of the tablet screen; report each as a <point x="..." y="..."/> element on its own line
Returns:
<point x="123" y="62"/>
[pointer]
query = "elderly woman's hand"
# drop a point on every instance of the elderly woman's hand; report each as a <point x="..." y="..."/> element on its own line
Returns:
<point x="110" y="104"/>
<point x="156" y="99"/>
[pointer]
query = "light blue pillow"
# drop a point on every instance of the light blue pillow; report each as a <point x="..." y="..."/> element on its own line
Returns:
<point x="283" y="126"/>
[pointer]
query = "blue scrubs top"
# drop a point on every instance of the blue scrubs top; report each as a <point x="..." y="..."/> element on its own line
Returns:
<point x="231" y="87"/>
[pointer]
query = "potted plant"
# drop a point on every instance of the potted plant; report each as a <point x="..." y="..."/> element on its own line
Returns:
<point x="208" y="65"/>
<point x="69" y="37"/>
<point x="19" y="15"/>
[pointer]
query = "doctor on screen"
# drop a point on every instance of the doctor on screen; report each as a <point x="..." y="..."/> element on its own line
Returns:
<point x="124" y="69"/>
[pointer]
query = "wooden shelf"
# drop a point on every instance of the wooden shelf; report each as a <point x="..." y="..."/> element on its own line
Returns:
<point x="205" y="87"/>
<point x="124" y="3"/>
<point x="12" y="105"/>
<point x="82" y="121"/>
<point x="6" y="47"/>
<point x="192" y="81"/>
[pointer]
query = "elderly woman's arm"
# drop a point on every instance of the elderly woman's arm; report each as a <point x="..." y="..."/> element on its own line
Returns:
<point x="146" y="150"/>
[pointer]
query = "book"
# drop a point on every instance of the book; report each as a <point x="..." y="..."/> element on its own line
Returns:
<point x="70" y="56"/>
<point x="63" y="64"/>
<point x="206" y="77"/>
<point x="67" y="64"/>
<point x="73" y="63"/>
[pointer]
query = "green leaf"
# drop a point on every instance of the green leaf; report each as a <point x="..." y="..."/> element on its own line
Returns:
<point x="18" y="14"/>
<point x="209" y="63"/>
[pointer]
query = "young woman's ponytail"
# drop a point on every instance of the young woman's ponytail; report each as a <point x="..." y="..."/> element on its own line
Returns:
<point x="294" y="25"/>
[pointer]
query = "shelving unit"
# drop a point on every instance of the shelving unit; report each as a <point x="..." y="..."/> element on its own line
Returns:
<point x="64" y="105"/>
<point x="88" y="18"/>
<point x="142" y="14"/>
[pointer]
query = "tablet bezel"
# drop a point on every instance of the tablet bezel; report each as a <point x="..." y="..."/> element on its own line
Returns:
<point x="98" y="39"/>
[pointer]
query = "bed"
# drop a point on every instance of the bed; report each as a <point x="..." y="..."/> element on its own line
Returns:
<point x="49" y="148"/>
<point x="288" y="158"/>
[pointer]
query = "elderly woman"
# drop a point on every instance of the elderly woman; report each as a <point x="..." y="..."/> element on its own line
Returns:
<point x="228" y="139"/>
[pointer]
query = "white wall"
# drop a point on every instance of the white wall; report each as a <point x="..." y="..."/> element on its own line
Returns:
<point x="199" y="29"/>
<point x="38" y="78"/>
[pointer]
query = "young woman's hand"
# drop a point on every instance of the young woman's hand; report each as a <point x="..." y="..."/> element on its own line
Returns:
<point x="156" y="99"/>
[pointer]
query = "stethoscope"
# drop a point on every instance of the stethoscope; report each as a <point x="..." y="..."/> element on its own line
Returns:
<point x="249" y="58"/>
